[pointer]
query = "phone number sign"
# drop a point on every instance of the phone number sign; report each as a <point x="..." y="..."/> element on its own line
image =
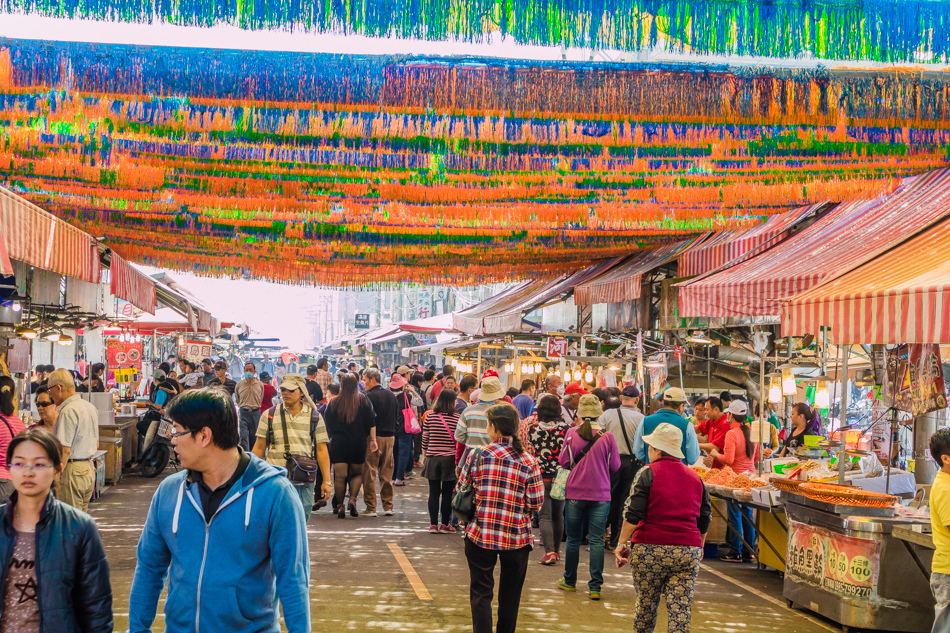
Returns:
<point x="844" y="565"/>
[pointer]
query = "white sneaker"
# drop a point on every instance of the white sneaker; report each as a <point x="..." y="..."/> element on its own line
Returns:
<point x="370" y="514"/>
<point x="389" y="513"/>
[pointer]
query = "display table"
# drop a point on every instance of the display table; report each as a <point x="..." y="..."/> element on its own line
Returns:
<point x="769" y="525"/>
<point x="847" y="564"/>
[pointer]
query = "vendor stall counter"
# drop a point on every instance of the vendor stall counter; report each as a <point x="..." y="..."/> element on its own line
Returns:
<point x="852" y="564"/>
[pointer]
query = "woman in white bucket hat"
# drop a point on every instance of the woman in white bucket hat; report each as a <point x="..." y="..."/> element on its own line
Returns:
<point x="666" y="516"/>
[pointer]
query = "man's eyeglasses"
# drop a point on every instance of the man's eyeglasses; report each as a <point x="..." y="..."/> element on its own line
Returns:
<point x="43" y="405"/>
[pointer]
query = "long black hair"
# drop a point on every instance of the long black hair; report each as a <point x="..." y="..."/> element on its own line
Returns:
<point x="347" y="404"/>
<point x="746" y="433"/>
<point x="445" y="403"/>
<point x="505" y="419"/>
<point x="7" y="395"/>
<point x="812" y="420"/>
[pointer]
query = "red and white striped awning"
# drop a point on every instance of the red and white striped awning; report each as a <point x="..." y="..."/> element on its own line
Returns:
<point x="622" y="281"/>
<point x="902" y="296"/>
<point x="131" y="285"/>
<point x="844" y="238"/>
<point x="734" y="247"/>
<point x="38" y="238"/>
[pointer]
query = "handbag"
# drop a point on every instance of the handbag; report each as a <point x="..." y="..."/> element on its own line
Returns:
<point x="463" y="502"/>
<point x="301" y="469"/>
<point x="559" y="485"/>
<point x="409" y="419"/>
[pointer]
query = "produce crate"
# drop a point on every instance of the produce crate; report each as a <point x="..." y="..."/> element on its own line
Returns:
<point x="717" y="527"/>
<point x="113" y="462"/>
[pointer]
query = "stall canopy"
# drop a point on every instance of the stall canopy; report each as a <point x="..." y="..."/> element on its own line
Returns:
<point x="844" y="238"/>
<point x="734" y="247"/>
<point x="472" y="320"/>
<point x="429" y="325"/>
<point x="30" y="234"/>
<point x="902" y="296"/>
<point x="621" y="282"/>
<point x="131" y="285"/>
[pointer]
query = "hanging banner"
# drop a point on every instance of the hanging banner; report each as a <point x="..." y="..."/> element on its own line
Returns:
<point x="914" y="379"/>
<point x="194" y="351"/>
<point x="124" y="354"/>
<point x="557" y="347"/>
<point x="840" y="564"/>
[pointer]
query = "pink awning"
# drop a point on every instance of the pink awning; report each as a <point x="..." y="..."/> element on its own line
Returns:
<point x="903" y="296"/>
<point x="131" y="285"/>
<point x="622" y="281"/>
<point x="841" y="240"/>
<point x="40" y="239"/>
<point x="734" y="247"/>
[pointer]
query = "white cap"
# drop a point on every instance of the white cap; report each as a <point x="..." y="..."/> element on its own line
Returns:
<point x="666" y="438"/>
<point x="738" y="407"/>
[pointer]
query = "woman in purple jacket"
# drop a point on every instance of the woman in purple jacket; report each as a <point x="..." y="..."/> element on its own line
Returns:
<point x="591" y="455"/>
<point x="667" y="515"/>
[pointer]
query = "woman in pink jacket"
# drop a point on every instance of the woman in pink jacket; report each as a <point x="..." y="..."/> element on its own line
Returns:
<point x="740" y="453"/>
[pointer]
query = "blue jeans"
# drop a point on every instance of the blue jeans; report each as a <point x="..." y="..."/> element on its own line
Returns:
<point x="403" y="455"/>
<point x="592" y="514"/>
<point x="742" y="527"/>
<point x="305" y="492"/>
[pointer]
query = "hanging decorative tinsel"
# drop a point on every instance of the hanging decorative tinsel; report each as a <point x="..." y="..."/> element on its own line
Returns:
<point x="881" y="30"/>
<point x="263" y="164"/>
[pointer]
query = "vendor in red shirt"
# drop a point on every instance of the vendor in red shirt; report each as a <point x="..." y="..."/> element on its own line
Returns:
<point x="712" y="431"/>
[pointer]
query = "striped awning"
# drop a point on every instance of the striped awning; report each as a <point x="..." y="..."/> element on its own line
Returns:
<point x="841" y="240"/>
<point x="902" y="296"/>
<point x="734" y="247"/>
<point x="622" y="281"/>
<point x="131" y="285"/>
<point x="472" y="320"/>
<point x="34" y="236"/>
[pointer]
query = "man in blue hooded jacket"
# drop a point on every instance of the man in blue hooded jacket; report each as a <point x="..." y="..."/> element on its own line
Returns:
<point x="228" y="532"/>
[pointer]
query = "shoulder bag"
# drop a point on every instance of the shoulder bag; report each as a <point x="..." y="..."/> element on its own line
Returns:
<point x="463" y="503"/>
<point x="301" y="469"/>
<point x="409" y="419"/>
<point x="559" y="485"/>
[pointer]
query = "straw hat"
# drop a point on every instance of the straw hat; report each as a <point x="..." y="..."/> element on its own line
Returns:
<point x="491" y="390"/>
<point x="666" y="438"/>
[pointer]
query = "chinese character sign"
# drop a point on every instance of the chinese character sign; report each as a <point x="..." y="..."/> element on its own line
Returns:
<point x="362" y="322"/>
<point x="557" y="347"/>
<point x="123" y="354"/>
<point x="195" y="350"/>
<point x="914" y="379"/>
<point x="841" y="564"/>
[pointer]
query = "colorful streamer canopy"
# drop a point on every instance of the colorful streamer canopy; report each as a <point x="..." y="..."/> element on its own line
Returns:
<point x="338" y="170"/>
<point x="881" y="30"/>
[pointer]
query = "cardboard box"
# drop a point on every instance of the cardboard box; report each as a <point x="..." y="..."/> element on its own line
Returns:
<point x="113" y="461"/>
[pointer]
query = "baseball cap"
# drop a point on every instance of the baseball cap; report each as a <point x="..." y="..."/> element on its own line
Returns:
<point x="738" y="407"/>
<point x="402" y="369"/>
<point x="159" y="375"/>
<point x="631" y="391"/>
<point x="573" y="388"/>
<point x="674" y="394"/>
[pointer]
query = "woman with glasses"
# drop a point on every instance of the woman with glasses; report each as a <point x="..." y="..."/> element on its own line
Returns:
<point x="47" y="409"/>
<point x="53" y="570"/>
<point x="10" y="425"/>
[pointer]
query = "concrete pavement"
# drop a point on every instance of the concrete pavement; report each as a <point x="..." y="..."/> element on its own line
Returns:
<point x="358" y="584"/>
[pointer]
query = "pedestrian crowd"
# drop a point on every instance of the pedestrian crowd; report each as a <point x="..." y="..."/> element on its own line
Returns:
<point x="259" y="455"/>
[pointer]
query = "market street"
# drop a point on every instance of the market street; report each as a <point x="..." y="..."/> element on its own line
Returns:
<point x="357" y="583"/>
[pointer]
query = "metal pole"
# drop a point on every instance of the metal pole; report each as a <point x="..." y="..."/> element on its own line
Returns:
<point x="924" y="426"/>
<point x="709" y="375"/>
<point x="478" y="363"/>
<point x="890" y="451"/>
<point x="761" y="411"/>
<point x="843" y="422"/>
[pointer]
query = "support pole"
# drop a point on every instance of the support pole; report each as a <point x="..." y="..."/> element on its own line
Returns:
<point x="478" y="363"/>
<point x="761" y="411"/>
<point x="924" y="426"/>
<point x="845" y="351"/>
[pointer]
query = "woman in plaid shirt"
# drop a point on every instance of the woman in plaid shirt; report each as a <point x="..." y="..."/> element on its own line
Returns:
<point x="508" y="490"/>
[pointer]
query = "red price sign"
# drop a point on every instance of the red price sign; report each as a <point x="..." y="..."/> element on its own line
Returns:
<point x="557" y="347"/>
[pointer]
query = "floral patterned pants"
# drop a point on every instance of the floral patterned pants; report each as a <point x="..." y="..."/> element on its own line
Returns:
<point x="664" y="568"/>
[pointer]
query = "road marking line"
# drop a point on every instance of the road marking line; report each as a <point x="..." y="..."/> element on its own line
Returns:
<point x="417" y="585"/>
<point x="770" y="599"/>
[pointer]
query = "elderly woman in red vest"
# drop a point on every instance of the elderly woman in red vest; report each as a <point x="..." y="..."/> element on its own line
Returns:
<point x="667" y="516"/>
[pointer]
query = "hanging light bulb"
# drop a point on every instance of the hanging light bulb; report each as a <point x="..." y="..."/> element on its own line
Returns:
<point x="138" y="337"/>
<point x="577" y="374"/>
<point x="789" y="388"/>
<point x="822" y="397"/>
<point x="49" y="335"/>
<point x="524" y="368"/>
<point x="65" y="340"/>
<point x="538" y="368"/>
<point x="507" y="368"/>
<point x="589" y="375"/>
<point x="27" y="332"/>
<point x="775" y="392"/>
<point x="567" y="376"/>
<point x="16" y="306"/>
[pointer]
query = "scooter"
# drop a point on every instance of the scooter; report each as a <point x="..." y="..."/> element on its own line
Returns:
<point x="158" y="448"/>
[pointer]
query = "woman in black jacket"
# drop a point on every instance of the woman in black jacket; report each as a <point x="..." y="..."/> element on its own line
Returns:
<point x="54" y="574"/>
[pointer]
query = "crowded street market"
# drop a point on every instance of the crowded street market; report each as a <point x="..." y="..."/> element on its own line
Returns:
<point x="475" y="317"/>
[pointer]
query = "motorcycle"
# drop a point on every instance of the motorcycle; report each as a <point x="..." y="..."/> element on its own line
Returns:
<point x="158" y="448"/>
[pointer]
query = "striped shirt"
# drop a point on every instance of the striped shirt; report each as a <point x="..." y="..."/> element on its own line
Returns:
<point x="298" y="431"/>
<point x="437" y="440"/>
<point x="472" y="429"/>
<point x="508" y="490"/>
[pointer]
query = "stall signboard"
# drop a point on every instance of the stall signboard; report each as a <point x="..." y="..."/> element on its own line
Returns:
<point x="557" y="347"/>
<point x="194" y="351"/>
<point x="843" y="565"/>
<point x="914" y="379"/>
<point x="124" y="354"/>
<point x="362" y="322"/>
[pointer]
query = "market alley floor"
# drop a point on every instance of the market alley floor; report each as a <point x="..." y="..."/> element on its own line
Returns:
<point x="359" y="578"/>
